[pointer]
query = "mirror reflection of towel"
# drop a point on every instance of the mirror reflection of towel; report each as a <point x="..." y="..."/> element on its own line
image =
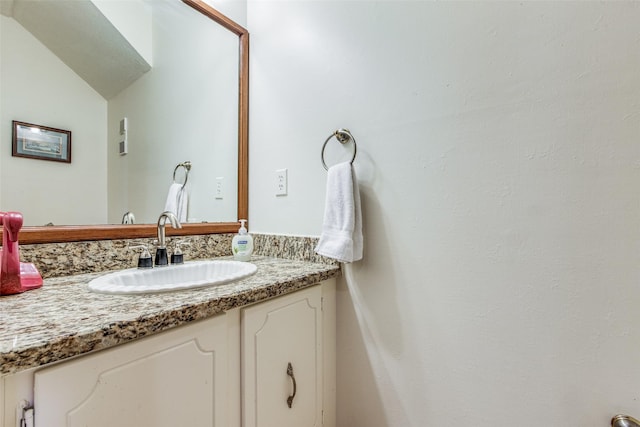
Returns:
<point x="341" y="237"/>
<point x="177" y="200"/>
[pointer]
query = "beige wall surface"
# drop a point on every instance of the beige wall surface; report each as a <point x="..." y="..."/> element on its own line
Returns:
<point x="498" y="161"/>
<point x="39" y="88"/>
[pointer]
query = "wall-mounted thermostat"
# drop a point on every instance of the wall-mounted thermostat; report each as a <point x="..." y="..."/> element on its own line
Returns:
<point x="123" y="145"/>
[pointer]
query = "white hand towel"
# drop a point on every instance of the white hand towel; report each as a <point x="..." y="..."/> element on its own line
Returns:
<point x="177" y="201"/>
<point x="341" y="237"/>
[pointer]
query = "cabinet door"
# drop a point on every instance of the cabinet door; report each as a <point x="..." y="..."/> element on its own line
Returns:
<point x="283" y="333"/>
<point x="175" y="378"/>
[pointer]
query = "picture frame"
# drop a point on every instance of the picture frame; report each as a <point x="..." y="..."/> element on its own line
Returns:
<point x="41" y="142"/>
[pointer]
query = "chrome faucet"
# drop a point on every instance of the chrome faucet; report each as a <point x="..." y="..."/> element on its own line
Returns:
<point x="161" y="251"/>
<point x="128" y="218"/>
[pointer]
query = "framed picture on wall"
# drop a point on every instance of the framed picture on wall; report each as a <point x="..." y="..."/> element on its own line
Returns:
<point x="41" y="142"/>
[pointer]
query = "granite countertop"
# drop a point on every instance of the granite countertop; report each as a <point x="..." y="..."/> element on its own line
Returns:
<point x="64" y="319"/>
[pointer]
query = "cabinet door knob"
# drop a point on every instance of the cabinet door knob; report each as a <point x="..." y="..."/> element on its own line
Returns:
<point x="293" y="379"/>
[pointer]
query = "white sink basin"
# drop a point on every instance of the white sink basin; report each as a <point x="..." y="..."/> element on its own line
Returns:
<point x="190" y="275"/>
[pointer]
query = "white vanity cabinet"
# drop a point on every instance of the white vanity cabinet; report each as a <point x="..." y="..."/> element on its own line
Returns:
<point x="176" y="378"/>
<point x="223" y="371"/>
<point x="287" y="372"/>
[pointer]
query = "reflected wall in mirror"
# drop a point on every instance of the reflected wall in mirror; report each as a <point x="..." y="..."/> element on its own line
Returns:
<point x="185" y="108"/>
<point x="200" y="115"/>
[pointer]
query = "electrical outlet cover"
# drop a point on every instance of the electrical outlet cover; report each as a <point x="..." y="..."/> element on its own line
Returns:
<point x="219" y="187"/>
<point x="281" y="182"/>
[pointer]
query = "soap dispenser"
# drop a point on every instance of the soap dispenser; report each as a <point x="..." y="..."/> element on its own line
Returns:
<point x="242" y="244"/>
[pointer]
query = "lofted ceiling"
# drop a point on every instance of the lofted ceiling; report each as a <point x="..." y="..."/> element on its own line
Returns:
<point x="83" y="38"/>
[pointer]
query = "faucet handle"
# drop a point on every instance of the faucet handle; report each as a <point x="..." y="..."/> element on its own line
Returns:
<point x="178" y="244"/>
<point x="177" y="257"/>
<point x="144" y="260"/>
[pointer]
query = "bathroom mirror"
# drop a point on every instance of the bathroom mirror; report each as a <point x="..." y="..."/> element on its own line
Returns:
<point x="239" y="184"/>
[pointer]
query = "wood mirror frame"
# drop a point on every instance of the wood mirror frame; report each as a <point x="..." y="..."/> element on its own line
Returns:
<point x="75" y="233"/>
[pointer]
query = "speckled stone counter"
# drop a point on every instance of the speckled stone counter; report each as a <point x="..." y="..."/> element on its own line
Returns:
<point x="65" y="319"/>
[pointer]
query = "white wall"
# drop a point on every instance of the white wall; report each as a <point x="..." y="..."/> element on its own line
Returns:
<point x="185" y="108"/>
<point x="499" y="163"/>
<point x="133" y="20"/>
<point x="233" y="9"/>
<point x="38" y="88"/>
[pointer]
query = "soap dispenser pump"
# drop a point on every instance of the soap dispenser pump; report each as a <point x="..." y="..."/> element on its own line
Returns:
<point x="242" y="243"/>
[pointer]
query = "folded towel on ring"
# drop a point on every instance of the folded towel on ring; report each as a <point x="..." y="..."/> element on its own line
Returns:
<point x="177" y="201"/>
<point x="341" y="237"/>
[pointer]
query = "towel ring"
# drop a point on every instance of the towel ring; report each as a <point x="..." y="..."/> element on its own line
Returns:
<point x="187" y="167"/>
<point x="343" y="136"/>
